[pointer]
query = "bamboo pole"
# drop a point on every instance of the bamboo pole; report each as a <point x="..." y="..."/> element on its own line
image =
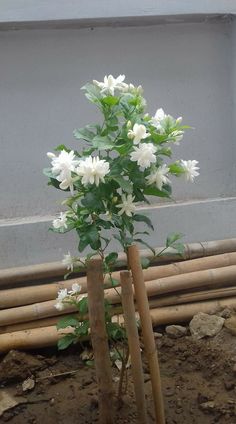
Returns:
<point x="16" y="275"/>
<point x="155" y="302"/>
<point x="27" y="295"/>
<point x="147" y="332"/>
<point x="49" y="336"/>
<point x="207" y="278"/>
<point x="134" y="346"/>
<point x="99" y="340"/>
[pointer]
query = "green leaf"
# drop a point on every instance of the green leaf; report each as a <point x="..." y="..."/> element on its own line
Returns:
<point x="92" y="201"/>
<point x="68" y="321"/>
<point x="179" y="247"/>
<point x="66" y="341"/>
<point x="62" y="147"/>
<point x="110" y="100"/>
<point x="146" y="244"/>
<point x="124" y="184"/>
<point x="83" y="133"/>
<point x="102" y="143"/>
<point x="111" y="258"/>
<point x="114" y="282"/>
<point x="143" y="218"/>
<point x="172" y="238"/>
<point x="145" y="263"/>
<point x="154" y="191"/>
<point x="176" y="169"/>
<point x="83" y="306"/>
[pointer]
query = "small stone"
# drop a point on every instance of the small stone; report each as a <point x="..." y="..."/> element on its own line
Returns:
<point x="208" y="406"/>
<point x="52" y="401"/>
<point x="226" y="313"/>
<point x="176" y="331"/>
<point x="230" y="324"/>
<point x="203" y="325"/>
<point x="229" y="385"/>
<point x="157" y="335"/>
<point x="28" y="384"/>
<point x="169" y="391"/>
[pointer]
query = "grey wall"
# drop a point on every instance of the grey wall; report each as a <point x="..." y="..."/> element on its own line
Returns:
<point x="188" y="69"/>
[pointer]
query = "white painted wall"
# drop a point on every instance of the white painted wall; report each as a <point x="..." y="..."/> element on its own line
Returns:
<point x="186" y="68"/>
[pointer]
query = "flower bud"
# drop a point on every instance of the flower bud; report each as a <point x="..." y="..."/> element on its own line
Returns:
<point x="179" y="120"/>
<point x="129" y="124"/>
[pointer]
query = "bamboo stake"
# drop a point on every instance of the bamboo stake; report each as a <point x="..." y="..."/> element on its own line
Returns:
<point x="39" y="293"/>
<point x="134" y="346"/>
<point x="207" y="278"/>
<point x="176" y="299"/>
<point x="49" y="336"/>
<point x="146" y="325"/>
<point x="99" y="340"/>
<point x="14" y="276"/>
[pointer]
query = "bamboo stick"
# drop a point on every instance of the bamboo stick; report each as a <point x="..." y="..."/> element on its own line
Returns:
<point x="16" y="275"/>
<point x="154" y="302"/>
<point x="134" y="346"/>
<point x="223" y="277"/>
<point x="147" y="332"/>
<point x="28" y="295"/>
<point x="99" y="340"/>
<point x="49" y="336"/>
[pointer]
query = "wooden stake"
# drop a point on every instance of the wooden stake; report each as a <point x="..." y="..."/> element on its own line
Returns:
<point x="146" y="325"/>
<point x="134" y="346"/>
<point x="99" y="340"/>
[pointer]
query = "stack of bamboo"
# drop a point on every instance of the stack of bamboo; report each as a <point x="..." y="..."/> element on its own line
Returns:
<point x="203" y="281"/>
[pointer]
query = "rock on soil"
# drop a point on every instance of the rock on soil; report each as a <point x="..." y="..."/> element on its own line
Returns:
<point x="230" y="324"/>
<point x="203" y="325"/>
<point x="17" y="366"/>
<point x="176" y="331"/>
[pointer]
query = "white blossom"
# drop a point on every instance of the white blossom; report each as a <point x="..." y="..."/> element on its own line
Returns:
<point x="127" y="206"/>
<point x="190" y="169"/>
<point x="60" y="222"/>
<point x="144" y="155"/>
<point x="138" y="133"/>
<point x="158" y="118"/>
<point x="62" y="166"/>
<point x="110" y="84"/>
<point x="92" y="170"/>
<point x="68" y="261"/>
<point x="62" y="294"/>
<point x="159" y="177"/>
<point x="76" y="288"/>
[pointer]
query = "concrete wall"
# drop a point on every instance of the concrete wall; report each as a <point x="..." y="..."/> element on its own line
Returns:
<point x="186" y="68"/>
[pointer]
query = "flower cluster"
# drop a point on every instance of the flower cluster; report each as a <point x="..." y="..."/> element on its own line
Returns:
<point x="126" y="159"/>
<point x="68" y="297"/>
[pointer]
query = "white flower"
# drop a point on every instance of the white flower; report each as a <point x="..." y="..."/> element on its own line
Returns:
<point x="62" y="294"/>
<point x="158" y="118"/>
<point x="127" y="206"/>
<point x="62" y="166"/>
<point x="61" y="221"/>
<point x="138" y="133"/>
<point x="144" y="155"/>
<point x="110" y="84"/>
<point x="159" y="177"/>
<point x="93" y="170"/>
<point x="76" y="288"/>
<point x="68" y="261"/>
<point x="190" y="169"/>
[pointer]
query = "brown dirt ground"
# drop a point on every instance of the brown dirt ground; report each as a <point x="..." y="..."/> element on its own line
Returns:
<point x="198" y="378"/>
